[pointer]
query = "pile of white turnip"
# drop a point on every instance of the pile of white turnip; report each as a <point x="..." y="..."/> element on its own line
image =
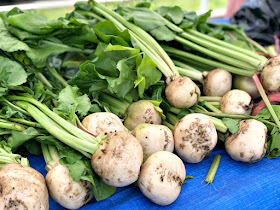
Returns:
<point x="141" y="149"/>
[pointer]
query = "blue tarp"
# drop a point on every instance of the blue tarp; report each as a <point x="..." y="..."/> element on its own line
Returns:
<point x="236" y="186"/>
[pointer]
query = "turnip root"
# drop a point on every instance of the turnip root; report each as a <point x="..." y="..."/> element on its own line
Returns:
<point x="103" y="123"/>
<point x="270" y="75"/>
<point x="66" y="192"/>
<point x="216" y="82"/>
<point x="182" y="92"/>
<point x="141" y="112"/>
<point x="154" y="138"/>
<point x="22" y="187"/>
<point x="195" y="137"/>
<point x="236" y="102"/>
<point x="246" y="84"/>
<point x="249" y="143"/>
<point x="118" y="160"/>
<point x="161" y="177"/>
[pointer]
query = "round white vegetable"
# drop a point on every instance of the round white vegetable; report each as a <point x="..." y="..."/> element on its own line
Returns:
<point x="182" y="92"/>
<point x="66" y="192"/>
<point x="237" y="102"/>
<point x="247" y="84"/>
<point x="141" y="112"/>
<point x="270" y="75"/>
<point x="161" y="177"/>
<point x="22" y="187"/>
<point x="249" y="143"/>
<point x="216" y="82"/>
<point x="154" y="138"/>
<point x="118" y="160"/>
<point x="195" y="137"/>
<point x="103" y="123"/>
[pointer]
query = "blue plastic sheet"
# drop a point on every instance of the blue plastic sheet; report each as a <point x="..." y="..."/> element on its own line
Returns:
<point x="236" y="186"/>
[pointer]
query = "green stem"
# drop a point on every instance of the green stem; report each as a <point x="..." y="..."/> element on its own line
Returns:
<point x="14" y="106"/>
<point x="225" y="44"/>
<point x="218" y="56"/>
<point x="53" y="153"/>
<point x="26" y="122"/>
<point x="213" y="169"/>
<point x="167" y="124"/>
<point x="224" y="51"/>
<point x="211" y="98"/>
<point x="62" y="122"/>
<point x="57" y="76"/>
<point x="118" y="105"/>
<point x="183" y="65"/>
<point x="4" y="160"/>
<point x="11" y="126"/>
<point x="54" y="129"/>
<point x="265" y="99"/>
<point x="174" y="110"/>
<point x="49" y="165"/>
<point x="215" y="64"/>
<point x="219" y="125"/>
<point x="211" y="107"/>
<point x="193" y="75"/>
<point x="43" y="79"/>
<point x="197" y="65"/>
<point x="256" y="44"/>
<point x="234" y="116"/>
<point x="90" y="14"/>
<point x="142" y="35"/>
<point x="46" y="153"/>
<point x="172" y="119"/>
<point x="24" y="162"/>
<point x="214" y="103"/>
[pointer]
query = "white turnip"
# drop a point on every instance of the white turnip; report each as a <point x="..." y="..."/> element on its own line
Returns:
<point x="154" y="138"/>
<point x="66" y="192"/>
<point x="237" y="102"/>
<point x="103" y="123"/>
<point x="249" y="143"/>
<point x="118" y="160"/>
<point x="195" y="137"/>
<point x="216" y="82"/>
<point x="182" y="92"/>
<point x="246" y="84"/>
<point x="161" y="177"/>
<point x="139" y="112"/>
<point x="22" y="187"/>
<point x="270" y="75"/>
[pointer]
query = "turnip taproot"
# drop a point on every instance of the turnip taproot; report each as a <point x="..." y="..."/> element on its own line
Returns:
<point x="216" y="82"/>
<point x="103" y="123"/>
<point x="249" y="143"/>
<point x="270" y="75"/>
<point x="237" y="102"/>
<point x="161" y="177"/>
<point x="182" y="92"/>
<point x="22" y="187"/>
<point x="154" y="138"/>
<point x="195" y="137"/>
<point x="139" y="112"/>
<point x="118" y="160"/>
<point x="66" y="192"/>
